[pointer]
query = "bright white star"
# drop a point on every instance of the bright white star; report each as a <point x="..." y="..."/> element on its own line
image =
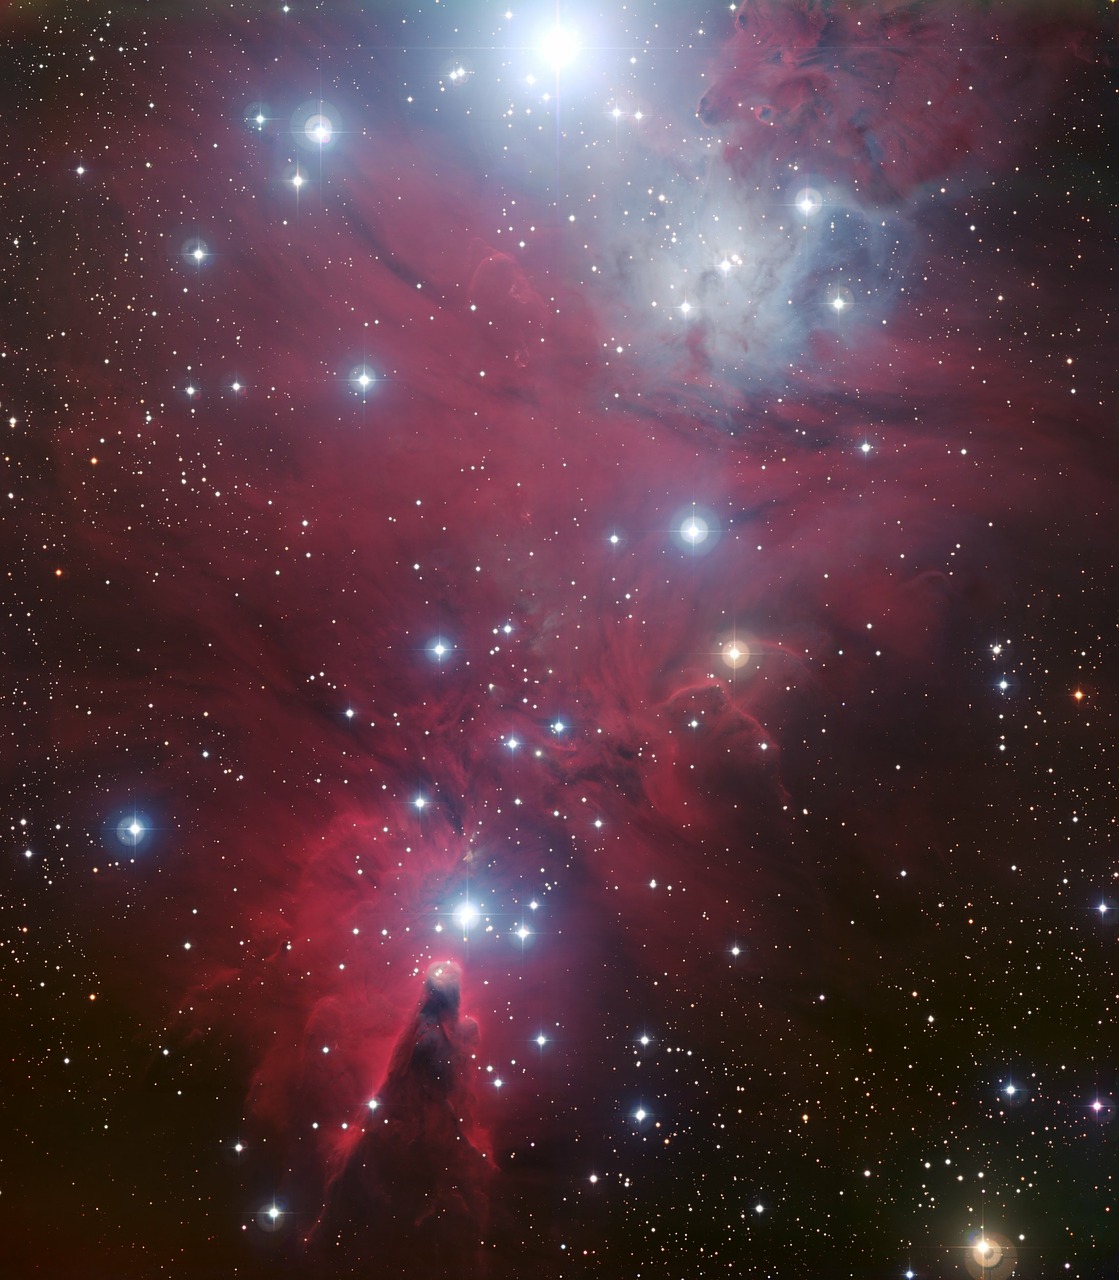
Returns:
<point x="559" y="47"/>
<point x="694" y="530"/>
<point x="466" y="915"/>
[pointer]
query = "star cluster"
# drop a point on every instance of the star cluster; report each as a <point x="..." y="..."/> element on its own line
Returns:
<point x="560" y="572"/>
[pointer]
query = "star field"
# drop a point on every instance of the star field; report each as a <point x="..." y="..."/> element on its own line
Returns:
<point x="560" y="620"/>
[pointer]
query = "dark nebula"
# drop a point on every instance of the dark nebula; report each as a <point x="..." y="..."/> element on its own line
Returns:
<point x="561" y="630"/>
<point x="413" y="1190"/>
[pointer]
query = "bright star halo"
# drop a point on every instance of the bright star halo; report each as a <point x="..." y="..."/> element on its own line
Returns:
<point x="695" y="530"/>
<point x="257" y="115"/>
<point x="132" y="830"/>
<point x="840" y="300"/>
<point x="271" y="1217"/>
<point x="808" y="201"/>
<point x="735" y="652"/>
<point x="467" y="915"/>
<point x="439" y="649"/>
<point x="990" y="1256"/>
<point x="314" y="125"/>
<point x="363" y="380"/>
<point x="559" y="46"/>
<point x="194" y="251"/>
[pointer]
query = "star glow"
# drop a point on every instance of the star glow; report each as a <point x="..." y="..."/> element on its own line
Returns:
<point x="466" y="916"/>
<point x="132" y="830"/>
<point x="271" y="1217"/>
<point x="809" y="201"/>
<point x="362" y="379"/>
<point x="195" y="251"/>
<point x="314" y="126"/>
<point x="735" y="652"/>
<point x="695" y="530"/>
<point x="439" y="649"/>
<point x="559" y="46"/>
